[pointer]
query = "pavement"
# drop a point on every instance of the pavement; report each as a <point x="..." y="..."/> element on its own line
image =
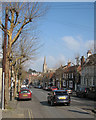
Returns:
<point x="93" y="110"/>
<point x="13" y="111"/>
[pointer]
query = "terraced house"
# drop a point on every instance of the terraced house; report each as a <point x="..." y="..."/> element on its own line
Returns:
<point x="68" y="76"/>
<point x="88" y="75"/>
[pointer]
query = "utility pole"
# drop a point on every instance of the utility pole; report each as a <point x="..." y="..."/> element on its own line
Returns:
<point x="4" y="59"/>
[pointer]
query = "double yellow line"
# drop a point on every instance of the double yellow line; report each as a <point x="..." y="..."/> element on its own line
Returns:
<point x="30" y="114"/>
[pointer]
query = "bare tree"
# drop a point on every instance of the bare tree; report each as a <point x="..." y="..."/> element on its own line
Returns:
<point x="21" y="16"/>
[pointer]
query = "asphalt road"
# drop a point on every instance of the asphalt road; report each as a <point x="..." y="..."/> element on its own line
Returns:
<point x="39" y="108"/>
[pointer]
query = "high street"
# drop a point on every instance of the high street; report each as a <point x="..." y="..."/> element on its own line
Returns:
<point x="39" y="108"/>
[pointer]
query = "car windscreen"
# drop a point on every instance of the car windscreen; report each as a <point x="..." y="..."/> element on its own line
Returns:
<point x="25" y="91"/>
<point x="53" y="87"/>
<point x="24" y="88"/>
<point x="61" y="93"/>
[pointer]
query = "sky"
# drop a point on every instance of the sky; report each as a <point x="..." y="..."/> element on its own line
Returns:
<point x="67" y="30"/>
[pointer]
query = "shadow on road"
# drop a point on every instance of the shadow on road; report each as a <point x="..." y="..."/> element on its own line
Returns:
<point x="78" y="111"/>
<point x="45" y="103"/>
<point x="85" y="98"/>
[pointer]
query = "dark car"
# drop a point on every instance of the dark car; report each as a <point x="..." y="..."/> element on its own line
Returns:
<point x="25" y="94"/>
<point x="82" y="91"/>
<point x="58" y="96"/>
<point x="92" y="93"/>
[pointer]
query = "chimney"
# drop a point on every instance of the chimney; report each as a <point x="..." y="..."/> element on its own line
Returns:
<point x="69" y="64"/>
<point x="89" y="53"/>
<point x="82" y="60"/>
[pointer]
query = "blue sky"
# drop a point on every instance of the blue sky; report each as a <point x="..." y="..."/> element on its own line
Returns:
<point x="66" y="30"/>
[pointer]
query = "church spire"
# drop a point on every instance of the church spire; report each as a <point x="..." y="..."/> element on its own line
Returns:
<point x="44" y="66"/>
<point x="45" y="60"/>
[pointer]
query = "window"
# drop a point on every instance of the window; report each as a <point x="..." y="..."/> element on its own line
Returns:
<point x="61" y="93"/>
<point x="64" y="83"/>
<point x="71" y="84"/>
<point x="63" y="75"/>
<point x="84" y="81"/>
<point x="93" y="81"/>
<point x="72" y="75"/>
<point x="25" y="91"/>
<point x="69" y="75"/>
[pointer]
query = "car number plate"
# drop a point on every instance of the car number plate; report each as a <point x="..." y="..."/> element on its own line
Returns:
<point x="62" y="97"/>
<point x="25" y="95"/>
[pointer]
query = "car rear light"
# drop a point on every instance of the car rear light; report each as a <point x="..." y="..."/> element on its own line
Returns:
<point x="85" y="89"/>
<point x="54" y="93"/>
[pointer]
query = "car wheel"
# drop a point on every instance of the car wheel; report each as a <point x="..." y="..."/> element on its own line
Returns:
<point x="48" y="101"/>
<point x="30" y="98"/>
<point x="68" y="104"/>
<point x="52" y="103"/>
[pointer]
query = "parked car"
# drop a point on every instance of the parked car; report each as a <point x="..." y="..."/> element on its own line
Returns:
<point x="22" y="86"/>
<point x="54" y="88"/>
<point x="25" y="94"/>
<point x="49" y="88"/>
<point x="82" y="91"/>
<point x="58" y="96"/>
<point x="39" y="86"/>
<point x="45" y="87"/>
<point x="69" y="91"/>
<point x="92" y="93"/>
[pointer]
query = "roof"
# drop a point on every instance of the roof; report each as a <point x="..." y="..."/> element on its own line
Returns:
<point x="91" y="60"/>
<point x="72" y="68"/>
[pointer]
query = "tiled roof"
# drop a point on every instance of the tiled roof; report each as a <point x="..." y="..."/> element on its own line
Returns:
<point x="91" y="60"/>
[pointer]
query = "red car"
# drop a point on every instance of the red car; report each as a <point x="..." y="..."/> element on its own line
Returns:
<point x="54" y="88"/>
<point x="25" y="94"/>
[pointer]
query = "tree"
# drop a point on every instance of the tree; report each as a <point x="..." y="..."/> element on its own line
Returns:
<point x="20" y="15"/>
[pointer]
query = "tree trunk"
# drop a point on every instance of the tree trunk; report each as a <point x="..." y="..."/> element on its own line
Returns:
<point x="15" y="88"/>
<point x="19" y="85"/>
<point x="6" y="84"/>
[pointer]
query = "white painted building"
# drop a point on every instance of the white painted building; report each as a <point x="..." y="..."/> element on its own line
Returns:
<point x="88" y="75"/>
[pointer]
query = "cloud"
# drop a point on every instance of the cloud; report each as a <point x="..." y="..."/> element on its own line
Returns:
<point x="76" y="45"/>
<point x="55" y="62"/>
<point x="51" y="61"/>
<point x="89" y="44"/>
<point x="71" y="42"/>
